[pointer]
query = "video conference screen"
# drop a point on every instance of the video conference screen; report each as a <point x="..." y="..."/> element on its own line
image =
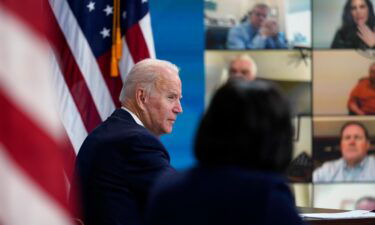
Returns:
<point x="321" y="53"/>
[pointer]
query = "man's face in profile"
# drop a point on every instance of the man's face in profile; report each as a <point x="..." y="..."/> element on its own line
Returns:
<point x="372" y="73"/>
<point x="257" y="16"/>
<point x="241" y="69"/>
<point x="354" y="144"/>
<point x="163" y="105"/>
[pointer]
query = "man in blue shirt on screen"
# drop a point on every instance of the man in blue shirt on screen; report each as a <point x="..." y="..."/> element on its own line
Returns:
<point x="355" y="164"/>
<point x="258" y="32"/>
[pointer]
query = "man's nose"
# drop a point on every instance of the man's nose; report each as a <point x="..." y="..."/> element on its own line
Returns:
<point x="352" y="141"/>
<point x="178" y="108"/>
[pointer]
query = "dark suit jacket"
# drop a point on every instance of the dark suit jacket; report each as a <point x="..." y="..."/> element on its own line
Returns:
<point x="117" y="164"/>
<point x="221" y="196"/>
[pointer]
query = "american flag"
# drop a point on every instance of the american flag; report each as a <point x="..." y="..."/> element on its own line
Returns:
<point x="32" y="182"/>
<point x="83" y="39"/>
<point x="81" y="33"/>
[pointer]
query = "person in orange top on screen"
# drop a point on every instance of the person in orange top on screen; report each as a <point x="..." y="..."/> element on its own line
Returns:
<point x="362" y="97"/>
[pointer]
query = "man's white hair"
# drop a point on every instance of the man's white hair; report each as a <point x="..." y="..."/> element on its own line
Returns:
<point x="246" y="57"/>
<point x="225" y="74"/>
<point x="144" y="74"/>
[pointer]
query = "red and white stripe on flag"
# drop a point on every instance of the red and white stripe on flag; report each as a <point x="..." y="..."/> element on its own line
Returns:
<point x="86" y="91"/>
<point x="32" y="184"/>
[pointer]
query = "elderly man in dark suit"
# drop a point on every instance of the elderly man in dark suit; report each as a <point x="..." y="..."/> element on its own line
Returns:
<point x="120" y="160"/>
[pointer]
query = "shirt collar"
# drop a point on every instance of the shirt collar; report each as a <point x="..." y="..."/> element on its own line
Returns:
<point x="135" y="117"/>
<point x="358" y="166"/>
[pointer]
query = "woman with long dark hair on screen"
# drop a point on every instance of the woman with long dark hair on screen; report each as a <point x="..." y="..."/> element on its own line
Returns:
<point x="243" y="146"/>
<point x="358" y="26"/>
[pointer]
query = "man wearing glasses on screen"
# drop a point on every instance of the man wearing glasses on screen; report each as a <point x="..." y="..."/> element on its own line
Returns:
<point x="258" y="32"/>
<point x="355" y="164"/>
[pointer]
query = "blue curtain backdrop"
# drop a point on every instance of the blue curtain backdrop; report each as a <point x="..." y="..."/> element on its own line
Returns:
<point x="178" y="34"/>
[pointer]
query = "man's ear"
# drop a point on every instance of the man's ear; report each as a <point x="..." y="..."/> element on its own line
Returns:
<point x="141" y="97"/>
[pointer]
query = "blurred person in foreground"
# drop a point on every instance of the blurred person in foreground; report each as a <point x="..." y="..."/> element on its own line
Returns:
<point x="365" y="203"/>
<point x="258" y="32"/>
<point x="358" y="26"/>
<point x="355" y="164"/>
<point x="362" y="97"/>
<point x="243" y="146"/>
<point x="120" y="160"/>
